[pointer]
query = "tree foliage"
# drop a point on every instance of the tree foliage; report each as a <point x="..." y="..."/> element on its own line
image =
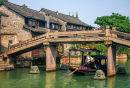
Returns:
<point x="123" y="50"/>
<point x="115" y="20"/>
<point x="24" y="5"/>
<point x="77" y="15"/>
<point x="101" y="47"/>
<point x="121" y="22"/>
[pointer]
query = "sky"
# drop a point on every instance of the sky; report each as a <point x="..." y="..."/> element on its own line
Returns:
<point x="88" y="10"/>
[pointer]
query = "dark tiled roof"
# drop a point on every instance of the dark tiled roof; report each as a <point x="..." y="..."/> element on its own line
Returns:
<point x="66" y="18"/>
<point x="38" y="29"/>
<point x="56" y="22"/>
<point x="3" y="14"/>
<point x="26" y="12"/>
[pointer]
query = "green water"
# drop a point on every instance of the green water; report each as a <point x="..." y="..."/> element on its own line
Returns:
<point x="20" y="78"/>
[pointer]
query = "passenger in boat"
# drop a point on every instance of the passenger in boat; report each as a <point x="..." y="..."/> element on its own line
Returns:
<point x="96" y="64"/>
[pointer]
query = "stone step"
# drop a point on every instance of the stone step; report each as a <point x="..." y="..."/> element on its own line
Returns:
<point x="1" y="69"/>
<point x="4" y="67"/>
<point x="3" y="64"/>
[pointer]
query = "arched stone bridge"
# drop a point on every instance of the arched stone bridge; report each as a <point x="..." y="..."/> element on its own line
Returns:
<point x="109" y="37"/>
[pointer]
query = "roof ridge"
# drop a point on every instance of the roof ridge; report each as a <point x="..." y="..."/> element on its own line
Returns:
<point x="58" y="12"/>
<point x="64" y="17"/>
<point x="19" y="5"/>
<point x="26" y="12"/>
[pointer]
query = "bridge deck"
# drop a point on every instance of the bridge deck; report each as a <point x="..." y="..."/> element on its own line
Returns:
<point x="47" y="38"/>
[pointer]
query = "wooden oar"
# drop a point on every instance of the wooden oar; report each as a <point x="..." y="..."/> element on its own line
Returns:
<point x="77" y="69"/>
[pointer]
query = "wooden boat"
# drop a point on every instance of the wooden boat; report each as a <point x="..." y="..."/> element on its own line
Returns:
<point x="85" y="71"/>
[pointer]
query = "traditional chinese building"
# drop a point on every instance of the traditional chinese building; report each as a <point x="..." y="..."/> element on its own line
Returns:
<point x="69" y="23"/>
<point x="22" y="23"/>
<point x="25" y="23"/>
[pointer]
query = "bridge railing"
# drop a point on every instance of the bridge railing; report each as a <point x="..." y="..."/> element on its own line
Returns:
<point x="125" y="35"/>
<point x="73" y="33"/>
<point x="26" y="42"/>
<point x="54" y="35"/>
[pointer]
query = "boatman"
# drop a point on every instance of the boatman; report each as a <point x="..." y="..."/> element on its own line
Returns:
<point x="88" y="59"/>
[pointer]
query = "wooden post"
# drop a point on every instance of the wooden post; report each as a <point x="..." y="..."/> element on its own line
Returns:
<point x="69" y="58"/>
<point x="47" y="34"/>
<point x="51" y="58"/>
<point x="114" y="35"/>
<point x="55" y="36"/>
<point x="108" y="31"/>
<point x="108" y="34"/>
<point x="110" y="62"/>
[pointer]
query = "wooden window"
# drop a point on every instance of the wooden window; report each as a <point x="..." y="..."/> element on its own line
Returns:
<point x="80" y="27"/>
<point x="11" y="41"/>
<point x="59" y="27"/>
<point x="72" y="26"/>
<point x="53" y="26"/>
<point x="68" y="26"/>
<point x="77" y="27"/>
<point x="32" y="23"/>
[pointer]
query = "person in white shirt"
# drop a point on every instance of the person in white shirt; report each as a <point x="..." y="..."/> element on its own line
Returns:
<point x="89" y="58"/>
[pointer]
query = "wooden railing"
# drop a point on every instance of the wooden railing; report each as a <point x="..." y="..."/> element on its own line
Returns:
<point x="26" y="42"/>
<point x="126" y="35"/>
<point x="53" y="35"/>
<point x="48" y="35"/>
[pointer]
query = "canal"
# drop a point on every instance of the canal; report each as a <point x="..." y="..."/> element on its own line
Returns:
<point x="20" y="78"/>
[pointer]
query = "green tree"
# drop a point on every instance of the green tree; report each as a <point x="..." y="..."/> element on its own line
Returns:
<point x="77" y="14"/>
<point x="3" y="0"/>
<point x="121" y="22"/>
<point x="115" y="20"/>
<point x="69" y="13"/>
<point x="73" y="14"/>
<point x="101" y="47"/>
<point x="24" y="5"/>
<point x="123" y="50"/>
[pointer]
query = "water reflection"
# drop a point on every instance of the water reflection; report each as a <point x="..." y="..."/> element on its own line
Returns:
<point x="111" y="82"/>
<point x="20" y="78"/>
<point x="50" y="79"/>
<point x="99" y="83"/>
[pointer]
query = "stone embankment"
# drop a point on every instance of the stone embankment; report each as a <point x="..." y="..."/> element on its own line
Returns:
<point x="4" y="64"/>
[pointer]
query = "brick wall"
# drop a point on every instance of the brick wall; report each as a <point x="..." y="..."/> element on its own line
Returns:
<point x="13" y="24"/>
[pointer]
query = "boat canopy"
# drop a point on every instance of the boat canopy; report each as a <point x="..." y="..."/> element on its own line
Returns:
<point x="100" y="56"/>
<point x="85" y="50"/>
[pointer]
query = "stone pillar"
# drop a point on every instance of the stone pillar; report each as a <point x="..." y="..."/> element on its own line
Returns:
<point x="110" y="62"/>
<point x="47" y="18"/>
<point x="114" y="54"/>
<point x="51" y="58"/>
